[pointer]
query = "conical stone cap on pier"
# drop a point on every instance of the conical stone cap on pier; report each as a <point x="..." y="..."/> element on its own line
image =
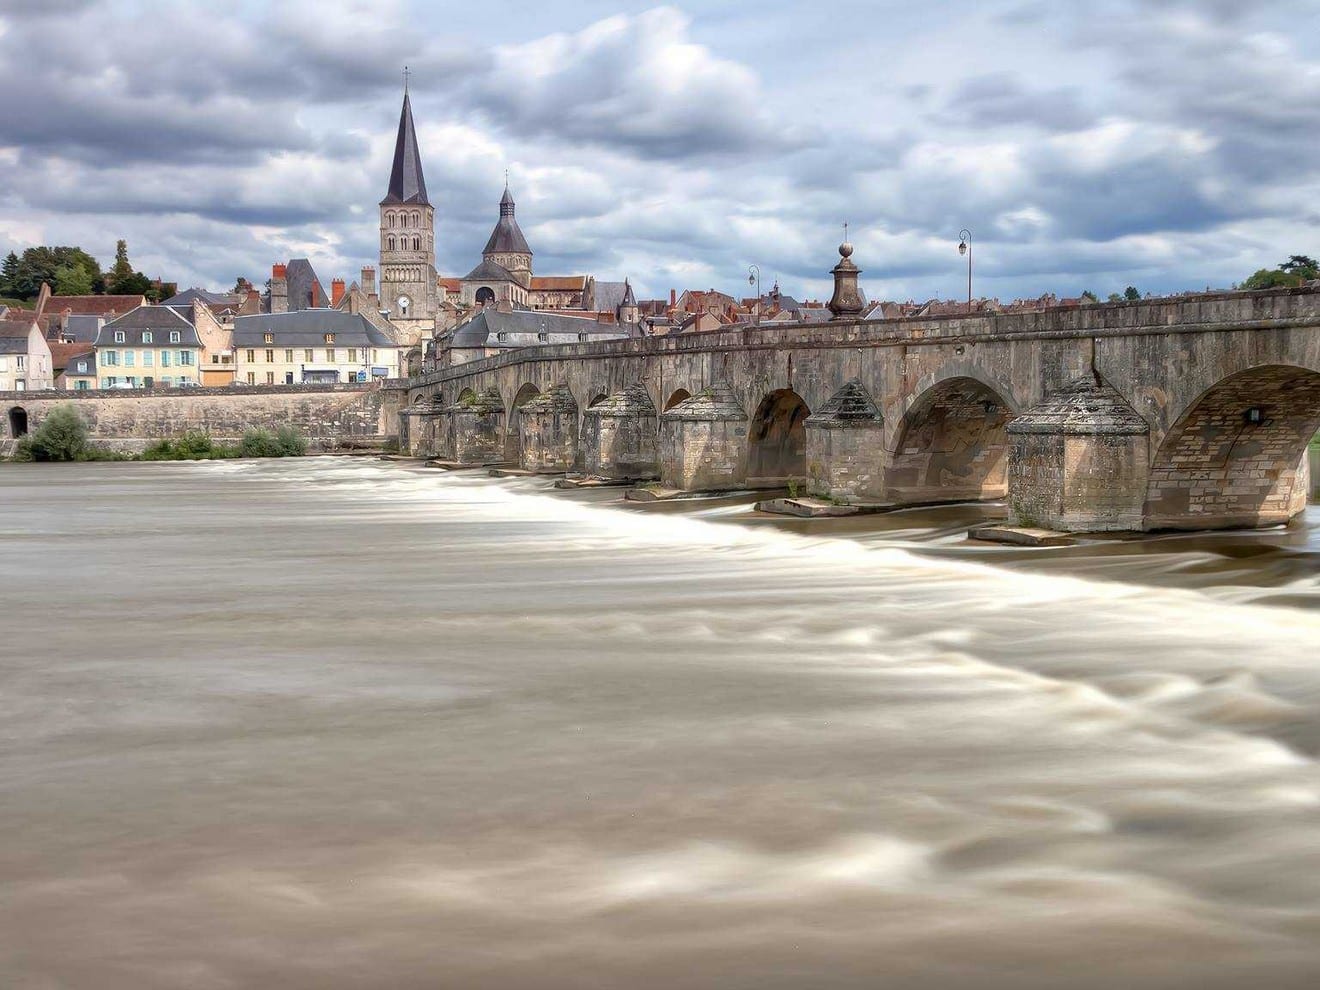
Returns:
<point x="1083" y="407"/>
<point x="717" y="403"/>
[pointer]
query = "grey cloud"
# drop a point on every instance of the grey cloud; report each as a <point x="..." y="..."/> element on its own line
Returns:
<point x="1000" y="98"/>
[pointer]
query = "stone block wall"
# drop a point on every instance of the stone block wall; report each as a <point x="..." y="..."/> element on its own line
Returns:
<point x="547" y="439"/>
<point x="703" y="455"/>
<point x="328" y="415"/>
<point x="847" y="460"/>
<point x="620" y="447"/>
<point x="476" y="435"/>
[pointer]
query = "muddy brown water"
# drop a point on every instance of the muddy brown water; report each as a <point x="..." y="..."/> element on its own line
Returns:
<point x="346" y="723"/>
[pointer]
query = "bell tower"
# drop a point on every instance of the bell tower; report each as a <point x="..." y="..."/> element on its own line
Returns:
<point x="407" y="236"/>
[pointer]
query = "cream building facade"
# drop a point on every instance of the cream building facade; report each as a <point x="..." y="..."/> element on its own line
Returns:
<point x="312" y="346"/>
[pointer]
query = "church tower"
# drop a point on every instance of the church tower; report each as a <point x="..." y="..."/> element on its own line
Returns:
<point x="507" y="247"/>
<point x="407" y="237"/>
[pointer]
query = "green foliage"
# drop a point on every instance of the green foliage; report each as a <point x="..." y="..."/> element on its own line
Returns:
<point x="1298" y="269"/>
<point x="194" y="445"/>
<point x="1272" y="278"/>
<point x="71" y="280"/>
<point x="1131" y="293"/>
<point x="43" y="264"/>
<point x="1089" y="296"/>
<point x="62" y="436"/>
<point x="284" y="442"/>
<point x="8" y="272"/>
<point x="1114" y="297"/>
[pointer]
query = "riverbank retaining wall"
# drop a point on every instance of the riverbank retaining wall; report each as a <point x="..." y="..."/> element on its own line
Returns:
<point x="328" y="416"/>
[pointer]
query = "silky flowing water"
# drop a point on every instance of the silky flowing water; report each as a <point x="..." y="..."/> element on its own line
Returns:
<point x="348" y="723"/>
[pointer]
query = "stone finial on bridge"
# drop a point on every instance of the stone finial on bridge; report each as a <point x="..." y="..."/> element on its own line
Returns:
<point x="846" y="303"/>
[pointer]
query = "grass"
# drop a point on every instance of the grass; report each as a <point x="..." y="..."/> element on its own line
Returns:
<point x="15" y="303"/>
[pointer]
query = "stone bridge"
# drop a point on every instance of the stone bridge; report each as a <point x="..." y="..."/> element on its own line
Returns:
<point x="1182" y="413"/>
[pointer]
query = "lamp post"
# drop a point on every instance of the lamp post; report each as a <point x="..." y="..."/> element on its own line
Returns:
<point x="965" y="247"/>
<point x="754" y="278"/>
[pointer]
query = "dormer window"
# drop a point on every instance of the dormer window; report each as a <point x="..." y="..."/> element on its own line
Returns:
<point x="146" y="336"/>
<point x="270" y="338"/>
<point x="543" y="336"/>
<point x="329" y="338"/>
<point x="502" y="336"/>
<point x="174" y="336"/>
<point x="119" y="336"/>
<point x="82" y="367"/>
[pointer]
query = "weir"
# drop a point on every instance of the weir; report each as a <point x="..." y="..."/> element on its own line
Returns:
<point x="1191" y="412"/>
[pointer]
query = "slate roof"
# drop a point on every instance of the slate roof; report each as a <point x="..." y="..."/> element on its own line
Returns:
<point x="64" y="358"/>
<point x="14" y="335"/>
<point x="489" y="271"/>
<point x="307" y="328"/>
<point x="407" y="184"/>
<point x="609" y="295"/>
<point x="523" y="328"/>
<point x="159" y="320"/>
<point x="81" y="328"/>
<point x="186" y="297"/>
<point x="507" y="237"/>
<point x="299" y="277"/>
<point x="850" y="404"/>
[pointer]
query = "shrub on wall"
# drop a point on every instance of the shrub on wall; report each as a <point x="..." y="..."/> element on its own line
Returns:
<point x="62" y="436"/>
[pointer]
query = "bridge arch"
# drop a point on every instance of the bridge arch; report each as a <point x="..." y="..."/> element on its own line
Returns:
<point x="951" y="444"/>
<point x="512" y="434"/>
<point x="1234" y="457"/>
<point x="777" y="437"/>
<point x="675" y="397"/>
<point x="18" y="422"/>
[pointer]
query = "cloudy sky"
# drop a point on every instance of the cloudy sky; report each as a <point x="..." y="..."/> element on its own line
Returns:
<point x="1166" y="144"/>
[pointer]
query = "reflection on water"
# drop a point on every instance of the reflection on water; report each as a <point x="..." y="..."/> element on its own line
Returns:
<point x="330" y="723"/>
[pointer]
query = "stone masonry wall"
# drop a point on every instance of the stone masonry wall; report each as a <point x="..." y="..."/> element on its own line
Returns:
<point x="327" y="415"/>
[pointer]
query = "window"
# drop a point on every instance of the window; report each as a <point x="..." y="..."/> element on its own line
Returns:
<point x="80" y="385"/>
<point x="4" y="363"/>
<point x="270" y="356"/>
<point x="270" y="378"/>
<point x="119" y="336"/>
<point x="252" y="378"/>
<point x="148" y="358"/>
<point x="130" y="358"/>
<point x="167" y="380"/>
<point x="110" y="358"/>
<point x="330" y="354"/>
<point x="185" y="357"/>
<point x="82" y="367"/>
<point x="251" y="355"/>
<point x="20" y="386"/>
<point x="270" y="338"/>
<point x="329" y="338"/>
<point x="375" y="356"/>
<point x="308" y="355"/>
<point x="109" y="382"/>
<point x="391" y="242"/>
<point x="20" y="362"/>
<point x="164" y="359"/>
<point x="288" y="355"/>
<point x="174" y="336"/>
<point x="352" y="355"/>
<point x="146" y="336"/>
<point x="417" y="243"/>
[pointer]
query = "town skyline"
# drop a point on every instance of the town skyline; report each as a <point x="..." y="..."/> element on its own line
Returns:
<point x="654" y="148"/>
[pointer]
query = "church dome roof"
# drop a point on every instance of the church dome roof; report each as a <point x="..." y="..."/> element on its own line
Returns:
<point x="507" y="238"/>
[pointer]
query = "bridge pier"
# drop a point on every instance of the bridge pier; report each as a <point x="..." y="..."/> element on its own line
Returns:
<point x="476" y="428"/>
<point x="619" y="436"/>
<point x="548" y="432"/>
<point x="703" y="442"/>
<point x="418" y="428"/>
<point x="1079" y="462"/>
<point x="846" y="456"/>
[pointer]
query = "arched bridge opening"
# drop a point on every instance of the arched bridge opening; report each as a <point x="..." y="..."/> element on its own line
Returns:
<point x="1236" y="457"/>
<point x="777" y="439"/>
<point x="952" y="445"/>
<point x="677" y="396"/>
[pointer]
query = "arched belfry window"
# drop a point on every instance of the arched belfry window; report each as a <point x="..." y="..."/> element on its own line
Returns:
<point x="391" y="219"/>
<point x="417" y="243"/>
<point x="391" y="242"/>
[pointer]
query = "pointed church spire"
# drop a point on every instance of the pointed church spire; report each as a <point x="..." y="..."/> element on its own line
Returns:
<point x="407" y="184"/>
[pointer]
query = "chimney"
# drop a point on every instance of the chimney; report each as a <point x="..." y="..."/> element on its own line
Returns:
<point x="673" y="298"/>
<point x="277" y="271"/>
<point x="315" y="299"/>
<point x="369" y="281"/>
<point x="336" y="293"/>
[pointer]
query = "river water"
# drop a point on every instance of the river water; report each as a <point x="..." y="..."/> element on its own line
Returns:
<point x="350" y="723"/>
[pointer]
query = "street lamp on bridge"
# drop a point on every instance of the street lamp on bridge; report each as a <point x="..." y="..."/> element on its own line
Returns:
<point x="965" y="247"/>
<point x="754" y="278"/>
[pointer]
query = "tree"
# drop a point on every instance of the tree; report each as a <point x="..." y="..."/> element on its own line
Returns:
<point x="1114" y="297"/>
<point x="8" y="273"/>
<point x="40" y="264"/>
<point x="73" y="280"/>
<point x="118" y="279"/>
<point x="1089" y="296"/>
<point x="1301" y="265"/>
<point x="1131" y="294"/>
<point x="1272" y="278"/>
